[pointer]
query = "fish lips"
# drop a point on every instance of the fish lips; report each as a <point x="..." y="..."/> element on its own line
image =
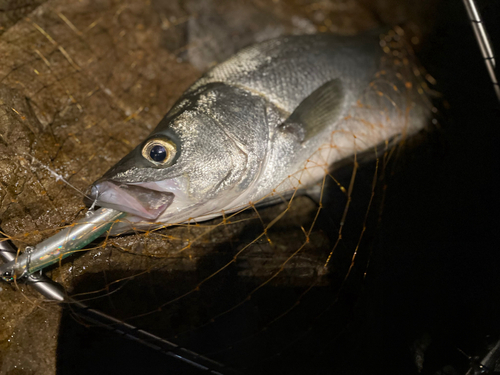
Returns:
<point x="136" y="200"/>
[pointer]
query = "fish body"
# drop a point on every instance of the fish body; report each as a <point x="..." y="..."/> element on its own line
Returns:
<point x="271" y="119"/>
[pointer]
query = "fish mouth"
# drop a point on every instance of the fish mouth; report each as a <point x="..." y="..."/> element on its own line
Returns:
<point x="137" y="200"/>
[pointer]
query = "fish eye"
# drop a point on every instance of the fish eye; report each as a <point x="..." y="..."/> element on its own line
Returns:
<point x="159" y="151"/>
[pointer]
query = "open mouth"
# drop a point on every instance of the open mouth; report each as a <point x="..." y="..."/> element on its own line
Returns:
<point x="137" y="200"/>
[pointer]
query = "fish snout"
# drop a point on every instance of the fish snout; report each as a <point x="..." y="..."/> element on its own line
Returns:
<point x="134" y="199"/>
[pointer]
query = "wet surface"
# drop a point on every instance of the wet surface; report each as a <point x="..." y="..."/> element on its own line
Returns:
<point x="82" y="82"/>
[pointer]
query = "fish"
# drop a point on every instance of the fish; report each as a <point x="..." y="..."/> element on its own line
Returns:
<point x="272" y="119"/>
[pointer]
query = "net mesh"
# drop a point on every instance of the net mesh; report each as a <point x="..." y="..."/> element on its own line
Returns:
<point x="81" y="83"/>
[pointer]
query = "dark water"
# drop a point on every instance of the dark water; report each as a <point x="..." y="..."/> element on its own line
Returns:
<point x="434" y="273"/>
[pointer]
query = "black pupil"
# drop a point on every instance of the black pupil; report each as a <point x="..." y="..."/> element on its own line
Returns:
<point x="158" y="153"/>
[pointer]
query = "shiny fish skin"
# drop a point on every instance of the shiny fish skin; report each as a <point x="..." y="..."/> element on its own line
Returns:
<point x="270" y="119"/>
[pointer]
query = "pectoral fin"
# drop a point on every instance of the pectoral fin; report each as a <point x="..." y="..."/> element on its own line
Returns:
<point x="316" y="112"/>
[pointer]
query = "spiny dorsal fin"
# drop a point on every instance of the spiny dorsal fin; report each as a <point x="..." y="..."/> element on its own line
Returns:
<point x="316" y="112"/>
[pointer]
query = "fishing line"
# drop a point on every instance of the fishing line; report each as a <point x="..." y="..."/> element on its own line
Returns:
<point x="57" y="176"/>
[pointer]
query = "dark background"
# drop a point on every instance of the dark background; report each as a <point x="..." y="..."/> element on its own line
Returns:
<point x="434" y="273"/>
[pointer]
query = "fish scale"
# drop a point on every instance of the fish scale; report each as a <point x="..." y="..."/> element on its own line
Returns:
<point x="271" y="119"/>
<point x="277" y="68"/>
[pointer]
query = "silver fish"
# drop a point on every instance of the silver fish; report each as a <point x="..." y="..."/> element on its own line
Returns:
<point x="270" y="119"/>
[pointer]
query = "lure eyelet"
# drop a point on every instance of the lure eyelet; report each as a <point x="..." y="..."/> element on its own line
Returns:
<point x="159" y="151"/>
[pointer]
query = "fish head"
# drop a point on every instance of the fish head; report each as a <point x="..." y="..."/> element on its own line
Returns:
<point x="188" y="165"/>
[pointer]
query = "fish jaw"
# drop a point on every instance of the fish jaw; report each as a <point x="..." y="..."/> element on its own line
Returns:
<point x="133" y="199"/>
